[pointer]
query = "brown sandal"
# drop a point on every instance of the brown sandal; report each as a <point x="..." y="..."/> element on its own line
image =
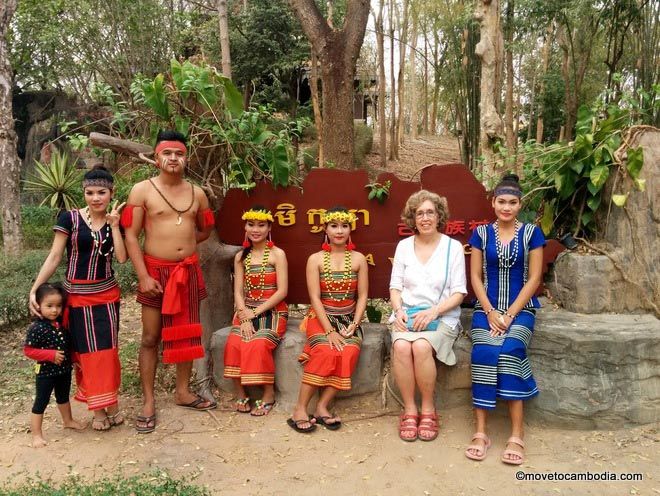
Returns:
<point x="428" y="422"/>
<point x="408" y="424"/>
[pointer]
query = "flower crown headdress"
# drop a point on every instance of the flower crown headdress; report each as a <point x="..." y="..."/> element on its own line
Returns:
<point x="258" y="215"/>
<point x="338" y="216"/>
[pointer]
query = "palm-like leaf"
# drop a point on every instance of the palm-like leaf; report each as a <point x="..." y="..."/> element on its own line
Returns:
<point x="56" y="181"/>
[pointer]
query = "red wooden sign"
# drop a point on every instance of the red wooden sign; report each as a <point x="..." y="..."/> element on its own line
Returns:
<point x="298" y="231"/>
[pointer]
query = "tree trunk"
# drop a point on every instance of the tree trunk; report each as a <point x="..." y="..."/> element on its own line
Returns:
<point x="382" y="122"/>
<point x="394" y="143"/>
<point x="403" y="39"/>
<point x="487" y="13"/>
<point x="546" y="62"/>
<point x="413" y="79"/>
<point x="316" y="105"/>
<point x="425" y="106"/>
<point x="436" y="82"/>
<point x="508" y="119"/>
<point x="10" y="165"/>
<point x="223" y="29"/>
<point x="338" y="51"/>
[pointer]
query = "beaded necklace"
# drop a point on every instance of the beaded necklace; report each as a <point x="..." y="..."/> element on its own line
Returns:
<point x="506" y="262"/>
<point x="99" y="240"/>
<point x="262" y="273"/>
<point x="344" y="283"/>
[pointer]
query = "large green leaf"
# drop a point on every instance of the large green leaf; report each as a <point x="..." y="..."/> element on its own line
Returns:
<point x="594" y="202"/>
<point x="635" y="161"/>
<point x="233" y="98"/>
<point x="155" y="97"/>
<point x="548" y="218"/>
<point x="599" y="175"/>
<point x="620" y="200"/>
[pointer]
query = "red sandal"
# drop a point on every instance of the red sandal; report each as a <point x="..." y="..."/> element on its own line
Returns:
<point x="428" y="422"/>
<point x="408" y="424"/>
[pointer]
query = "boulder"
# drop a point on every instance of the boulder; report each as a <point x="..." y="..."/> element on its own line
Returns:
<point x="366" y="378"/>
<point x="595" y="371"/>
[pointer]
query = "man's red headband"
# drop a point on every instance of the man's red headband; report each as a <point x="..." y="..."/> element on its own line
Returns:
<point x="163" y="145"/>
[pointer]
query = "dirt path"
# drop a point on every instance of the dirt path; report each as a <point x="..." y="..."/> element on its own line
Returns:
<point x="415" y="154"/>
<point x="233" y="453"/>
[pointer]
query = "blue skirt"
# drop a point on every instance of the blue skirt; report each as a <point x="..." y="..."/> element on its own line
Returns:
<point x="500" y="368"/>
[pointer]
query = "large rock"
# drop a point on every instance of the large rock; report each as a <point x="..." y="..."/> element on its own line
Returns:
<point x="366" y="378"/>
<point x="595" y="371"/>
<point x="592" y="283"/>
<point x="587" y="283"/>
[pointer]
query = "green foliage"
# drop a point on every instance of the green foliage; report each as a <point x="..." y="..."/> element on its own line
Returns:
<point x="379" y="191"/>
<point x="566" y="180"/>
<point x="17" y="275"/>
<point x="57" y="182"/>
<point x="374" y="315"/>
<point x="156" y="484"/>
<point x="364" y="141"/>
<point x="37" y="225"/>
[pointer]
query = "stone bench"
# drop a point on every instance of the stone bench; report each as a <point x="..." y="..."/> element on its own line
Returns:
<point x="593" y="371"/>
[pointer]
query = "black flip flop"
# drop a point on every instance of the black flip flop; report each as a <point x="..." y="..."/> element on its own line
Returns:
<point x="294" y="424"/>
<point x="330" y="426"/>
<point x="151" y="419"/>
<point x="194" y="404"/>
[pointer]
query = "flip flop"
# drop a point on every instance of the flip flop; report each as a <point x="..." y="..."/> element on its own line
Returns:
<point x="242" y="402"/>
<point x="104" y="423"/>
<point x="481" y="451"/>
<point x="149" y="424"/>
<point x="333" y="426"/>
<point x="259" y="405"/>
<point x="113" y="419"/>
<point x="295" y="425"/>
<point x="519" y="454"/>
<point x="194" y="404"/>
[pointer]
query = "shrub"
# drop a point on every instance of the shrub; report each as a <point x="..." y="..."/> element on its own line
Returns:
<point x="362" y="144"/>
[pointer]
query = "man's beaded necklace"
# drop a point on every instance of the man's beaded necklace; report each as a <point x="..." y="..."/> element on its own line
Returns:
<point x="98" y="238"/>
<point x="343" y="285"/>
<point x="261" y="275"/>
<point x="506" y="262"/>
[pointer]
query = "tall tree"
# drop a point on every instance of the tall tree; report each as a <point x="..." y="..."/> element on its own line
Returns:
<point x="394" y="142"/>
<point x="10" y="166"/>
<point x="223" y="29"/>
<point x="337" y="50"/>
<point x="382" y="82"/>
<point x="403" y="40"/>
<point x="489" y="50"/>
<point x="413" y="75"/>
<point x="508" y="100"/>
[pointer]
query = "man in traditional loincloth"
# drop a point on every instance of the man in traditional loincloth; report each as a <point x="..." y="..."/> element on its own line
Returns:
<point x="175" y="216"/>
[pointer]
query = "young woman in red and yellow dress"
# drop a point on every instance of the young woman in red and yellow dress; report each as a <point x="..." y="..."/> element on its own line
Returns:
<point x="337" y="282"/>
<point x="260" y="286"/>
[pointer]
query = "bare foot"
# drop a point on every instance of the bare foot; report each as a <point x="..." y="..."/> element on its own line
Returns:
<point x="38" y="442"/>
<point x="75" y="425"/>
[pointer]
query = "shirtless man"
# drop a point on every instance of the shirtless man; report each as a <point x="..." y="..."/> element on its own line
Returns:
<point x="176" y="217"/>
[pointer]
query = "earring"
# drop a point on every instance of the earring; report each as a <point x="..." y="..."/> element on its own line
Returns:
<point x="325" y="246"/>
<point x="246" y="242"/>
<point x="350" y="245"/>
<point x="270" y="243"/>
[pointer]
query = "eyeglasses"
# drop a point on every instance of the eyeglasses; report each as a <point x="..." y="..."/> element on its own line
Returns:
<point x="426" y="213"/>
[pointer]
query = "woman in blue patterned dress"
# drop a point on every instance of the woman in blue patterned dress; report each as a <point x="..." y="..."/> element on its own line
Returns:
<point x="505" y="270"/>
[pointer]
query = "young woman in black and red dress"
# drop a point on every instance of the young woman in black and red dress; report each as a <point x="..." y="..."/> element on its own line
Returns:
<point x="92" y="238"/>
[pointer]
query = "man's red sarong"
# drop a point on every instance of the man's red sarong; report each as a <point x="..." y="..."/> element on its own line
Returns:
<point x="183" y="289"/>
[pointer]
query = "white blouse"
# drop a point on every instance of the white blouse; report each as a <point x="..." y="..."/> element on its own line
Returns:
<point x="420" y="284"/>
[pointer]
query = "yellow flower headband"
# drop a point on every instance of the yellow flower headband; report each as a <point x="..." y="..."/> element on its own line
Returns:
<point x="258" y="215"/>
<point x="339" y="216"/>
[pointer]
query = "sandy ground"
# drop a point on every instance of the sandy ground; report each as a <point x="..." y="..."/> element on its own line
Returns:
<point x="234" y="453"/>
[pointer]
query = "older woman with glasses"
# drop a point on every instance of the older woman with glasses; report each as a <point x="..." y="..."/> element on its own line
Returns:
<point x="426" y="289"/>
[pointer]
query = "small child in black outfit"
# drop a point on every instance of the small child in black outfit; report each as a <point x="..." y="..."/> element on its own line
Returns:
<point x="48" y="343"/>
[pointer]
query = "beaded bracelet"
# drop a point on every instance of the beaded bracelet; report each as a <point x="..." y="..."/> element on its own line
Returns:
<point x="509" y="315"/>
<point x="491" y="309"/>
<point x="244" y="321"/>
